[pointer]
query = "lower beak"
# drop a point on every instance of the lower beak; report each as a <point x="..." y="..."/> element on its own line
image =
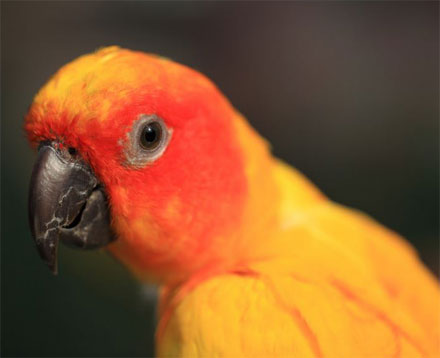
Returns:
<point x="67" y="203"/>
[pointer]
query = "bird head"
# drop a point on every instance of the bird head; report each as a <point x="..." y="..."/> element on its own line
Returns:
<point x="146" y="157"/>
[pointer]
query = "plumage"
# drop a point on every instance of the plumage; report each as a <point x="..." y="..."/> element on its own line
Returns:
<point x="252" y="259"/>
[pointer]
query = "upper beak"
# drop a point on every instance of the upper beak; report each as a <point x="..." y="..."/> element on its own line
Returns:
<point x="66" y="202"/>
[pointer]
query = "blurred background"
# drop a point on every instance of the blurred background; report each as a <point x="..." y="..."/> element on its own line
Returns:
<point x="346" y="92"/>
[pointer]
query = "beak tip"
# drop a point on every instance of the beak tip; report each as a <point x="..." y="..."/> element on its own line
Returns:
<point x="48" y="252"/>
<point x="54" y="270"/>
<point x="52" y="265"/>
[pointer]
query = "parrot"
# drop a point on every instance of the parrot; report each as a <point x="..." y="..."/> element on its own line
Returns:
<point x="146" y="158"/>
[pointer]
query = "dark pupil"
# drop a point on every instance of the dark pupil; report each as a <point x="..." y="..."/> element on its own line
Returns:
<point x="150" y="135"/>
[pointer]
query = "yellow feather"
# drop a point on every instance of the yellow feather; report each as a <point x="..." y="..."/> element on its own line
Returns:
<point x="327" y="282"/>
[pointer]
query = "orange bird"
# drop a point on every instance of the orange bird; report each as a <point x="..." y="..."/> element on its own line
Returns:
<point x="147" y="158"/>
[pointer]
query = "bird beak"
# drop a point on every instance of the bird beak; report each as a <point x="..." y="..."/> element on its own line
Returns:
<point x="67" y="203"/>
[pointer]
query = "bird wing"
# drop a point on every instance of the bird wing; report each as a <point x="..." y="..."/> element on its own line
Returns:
<point x="331" y="282"/>
<point x="359" y="286"/>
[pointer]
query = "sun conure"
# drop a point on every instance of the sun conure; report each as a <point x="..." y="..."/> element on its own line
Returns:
<point x="146" y="157"/>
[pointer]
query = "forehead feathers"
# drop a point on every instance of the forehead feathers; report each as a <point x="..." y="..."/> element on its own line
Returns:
<point x="94" y="85"/>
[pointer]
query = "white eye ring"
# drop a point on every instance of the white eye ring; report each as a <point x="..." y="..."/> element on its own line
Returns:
<point x="147" y="141"/>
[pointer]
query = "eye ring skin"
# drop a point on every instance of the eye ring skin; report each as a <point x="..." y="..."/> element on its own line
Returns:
<point x="135" y="155"/>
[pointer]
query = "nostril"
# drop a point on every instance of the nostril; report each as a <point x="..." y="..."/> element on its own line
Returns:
<point x="72" y="151"/>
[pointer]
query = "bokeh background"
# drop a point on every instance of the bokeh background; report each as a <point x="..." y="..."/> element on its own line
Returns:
<point x="346" y="92"/>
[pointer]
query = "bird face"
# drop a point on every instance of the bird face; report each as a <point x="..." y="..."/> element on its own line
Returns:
<point x="141" y="155"/>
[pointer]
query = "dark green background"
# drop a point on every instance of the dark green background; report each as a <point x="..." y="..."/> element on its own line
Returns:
<point x="346" y="92"/>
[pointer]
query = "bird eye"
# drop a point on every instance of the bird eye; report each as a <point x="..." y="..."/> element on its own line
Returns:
<point x="147" y="140"/>
<point x="151" y="135"/>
